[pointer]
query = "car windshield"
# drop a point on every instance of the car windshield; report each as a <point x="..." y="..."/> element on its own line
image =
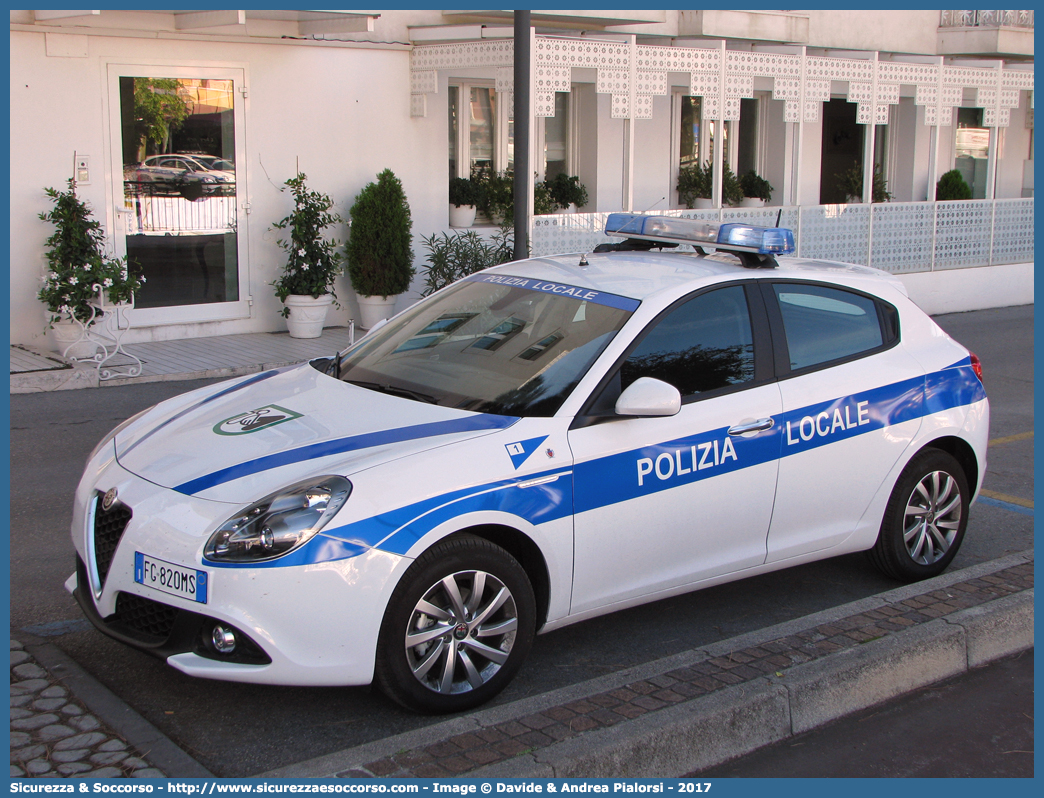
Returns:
<point x="491" y="344"/>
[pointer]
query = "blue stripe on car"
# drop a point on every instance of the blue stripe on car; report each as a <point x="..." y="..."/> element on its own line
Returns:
<point x="559" y="289"/>
<point x="613" y="479"/>
<point x="353" y="443"/>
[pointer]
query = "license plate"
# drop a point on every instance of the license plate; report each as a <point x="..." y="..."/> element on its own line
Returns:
<point x="177" y="580"/>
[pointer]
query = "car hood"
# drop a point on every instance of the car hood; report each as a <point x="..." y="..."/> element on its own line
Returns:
<point x="242" y="440"/>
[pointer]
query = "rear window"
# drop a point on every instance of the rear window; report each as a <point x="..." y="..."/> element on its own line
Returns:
<point x="824" y="324"/>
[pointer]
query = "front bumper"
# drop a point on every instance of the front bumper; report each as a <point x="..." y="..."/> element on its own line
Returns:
<point x="313" y="624"/>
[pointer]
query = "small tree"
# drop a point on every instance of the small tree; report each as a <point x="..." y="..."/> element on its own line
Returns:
<point x="731" y="192"/>
<point x="453" y="257"/>
<point x="952" y="186"/>
<point x="754" y="185"/>
<point x="312" y="261"/>
<point x="567" y="189"/>
<point x="380" y="260"/>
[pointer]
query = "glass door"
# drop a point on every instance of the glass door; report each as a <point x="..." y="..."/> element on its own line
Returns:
<point x="177" y="185"/>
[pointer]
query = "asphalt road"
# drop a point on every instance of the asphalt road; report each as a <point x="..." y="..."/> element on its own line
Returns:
<point x="240" y="730"/>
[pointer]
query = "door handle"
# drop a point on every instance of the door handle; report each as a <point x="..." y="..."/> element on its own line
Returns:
<point x="752" y="426"/>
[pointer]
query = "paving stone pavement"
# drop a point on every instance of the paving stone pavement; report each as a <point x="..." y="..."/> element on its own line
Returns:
<point x="53" y="736"/>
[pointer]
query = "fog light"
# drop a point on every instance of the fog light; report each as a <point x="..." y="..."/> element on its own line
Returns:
<point x="224" y="639"/>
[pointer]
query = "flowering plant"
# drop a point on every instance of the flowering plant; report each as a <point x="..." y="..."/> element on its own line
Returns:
<point x="312" y="261"/>
<point x="78" y="270"/>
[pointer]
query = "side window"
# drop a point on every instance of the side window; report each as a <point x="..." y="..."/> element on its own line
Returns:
<point x="823" y="324"/>
<point x="700" y="346"/>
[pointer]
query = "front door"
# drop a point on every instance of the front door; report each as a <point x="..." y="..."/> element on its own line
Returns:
<point x="661" y="503"/>
<point x="177" y="167"/>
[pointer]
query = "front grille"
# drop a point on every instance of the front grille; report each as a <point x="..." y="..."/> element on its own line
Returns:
<point x="144" y="619"/>
<point x="108" y="529"/>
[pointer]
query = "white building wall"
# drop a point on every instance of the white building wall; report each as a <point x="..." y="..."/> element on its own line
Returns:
<point x="891" y="30"/>
<point x="343" y="112"/>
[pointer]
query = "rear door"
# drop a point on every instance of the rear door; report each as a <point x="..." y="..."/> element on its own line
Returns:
<point x="852" y="402"/>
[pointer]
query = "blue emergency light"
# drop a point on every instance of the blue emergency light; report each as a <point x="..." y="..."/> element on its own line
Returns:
<point x="730" y="236"/>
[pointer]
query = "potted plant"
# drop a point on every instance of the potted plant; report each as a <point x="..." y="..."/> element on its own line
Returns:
<point x="567" y="192"/>
<point x="380" y="261"/>
<point x="79" y="275"/>
<point x="851" y="183"/>
<point x="695" y="186"/>
<point x="463" y="201"/>
<point x="731" y="191"/>
<point x="756" y="190"/>
<point x="952" y="186"/>
<point x="312" y="263"/>
<point x="452" y="257"/>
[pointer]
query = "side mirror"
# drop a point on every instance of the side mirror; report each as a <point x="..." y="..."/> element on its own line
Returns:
<point x="648" y="396"/>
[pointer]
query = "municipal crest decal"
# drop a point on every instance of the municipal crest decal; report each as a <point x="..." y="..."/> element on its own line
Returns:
<point x="254" y="420"/>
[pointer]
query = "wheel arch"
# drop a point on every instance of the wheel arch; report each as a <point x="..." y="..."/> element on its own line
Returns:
<point x="963" y="453"/>
<point x="528" y="554"/>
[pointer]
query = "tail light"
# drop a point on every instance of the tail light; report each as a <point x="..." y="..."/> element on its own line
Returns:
<point x="976" y="365"/>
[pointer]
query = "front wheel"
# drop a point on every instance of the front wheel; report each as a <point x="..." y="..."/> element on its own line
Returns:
<point x="457" y="628"/>
<point x="925" y="519"/>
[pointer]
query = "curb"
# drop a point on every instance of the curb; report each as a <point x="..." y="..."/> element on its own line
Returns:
<point x="114" y="712"/>
<point x="708" y="729"/>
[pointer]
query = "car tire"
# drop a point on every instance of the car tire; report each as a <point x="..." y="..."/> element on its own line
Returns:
<point x="457" y="628"/>
<point x="925" y="519"/>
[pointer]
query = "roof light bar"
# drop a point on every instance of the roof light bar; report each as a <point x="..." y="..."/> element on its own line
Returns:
<point x="729" y="236"/>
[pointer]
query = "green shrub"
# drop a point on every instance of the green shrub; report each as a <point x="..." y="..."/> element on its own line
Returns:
<point x="731" y="191"/>
<point x="380" y="260"/>
<point x="694" y="182"/>
<point x="952" y="186"/>
<point x="453" y="257"/>
<point x="567" y="189"/>
<point x="850" y="182"/>
<point x="753" y="185"/>
<point x="463" y="191"/>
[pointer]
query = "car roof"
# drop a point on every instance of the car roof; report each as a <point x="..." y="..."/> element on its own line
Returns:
<point x="640" y="275"/>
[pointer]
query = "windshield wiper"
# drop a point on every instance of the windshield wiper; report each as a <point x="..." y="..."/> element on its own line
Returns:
<point x="394" y="390"/>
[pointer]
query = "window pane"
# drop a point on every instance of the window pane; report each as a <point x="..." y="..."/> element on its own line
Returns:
<point x="483" y="105"/>
<point x="454" y="112"/>
<point x="973" y="146"/>
<point x="556" y="137"/>
<point x="824" y="324"/>
<point x="703" y="345"/>
<point x="690" y="130"/>
<point x="179" y="183"/>
<point x="748" y="137"/>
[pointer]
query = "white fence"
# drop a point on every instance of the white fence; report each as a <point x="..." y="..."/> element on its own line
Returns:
<point x="898" y="237"/>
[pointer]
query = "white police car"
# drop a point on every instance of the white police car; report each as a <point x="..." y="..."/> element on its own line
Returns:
<point x="540" y="443"/>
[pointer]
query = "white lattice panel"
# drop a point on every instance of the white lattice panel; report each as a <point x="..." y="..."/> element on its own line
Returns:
<point x="505" y="79"/>
<point x="651" y="83"/>
<point x="817" y="67"/>
<point x="425" y="81"/>
<point x="1013" y="231"/>
<point x="643" y="106"/>
<point x="902" y="236"/>
<point x="962" y="234"/>
<point x="493" y="53"/>
<point x="543" y="103"/>
<point x="836" y="232"/>
<point x="568" y="232"/>
<point x="625" y="69"/>
<point x="418" y="105"/>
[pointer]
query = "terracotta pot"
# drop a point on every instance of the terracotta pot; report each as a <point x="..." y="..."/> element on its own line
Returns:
<point x="307" y="314"/>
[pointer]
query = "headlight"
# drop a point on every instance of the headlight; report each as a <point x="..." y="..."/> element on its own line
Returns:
<point x="279" y="523"/>
<point x="109" y="438"/>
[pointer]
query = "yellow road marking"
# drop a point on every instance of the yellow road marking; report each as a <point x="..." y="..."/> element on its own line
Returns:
<point x="1004" y="497"/>
<point x="1011" y="438"/>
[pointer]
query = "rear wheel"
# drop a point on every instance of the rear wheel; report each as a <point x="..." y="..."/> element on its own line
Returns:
<point x="925" y="519"/>
<point x="457" y="628"/>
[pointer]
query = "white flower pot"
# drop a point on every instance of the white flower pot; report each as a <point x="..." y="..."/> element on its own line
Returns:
<point x="374" y="308"/>
<point x="571" y="208"/>
<point x="461" y="215"/>
<point x="69" y="339"/>
<point x="307" y="314"/>
<point x="702" y="203"/>
<point x="752" y="202"/>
